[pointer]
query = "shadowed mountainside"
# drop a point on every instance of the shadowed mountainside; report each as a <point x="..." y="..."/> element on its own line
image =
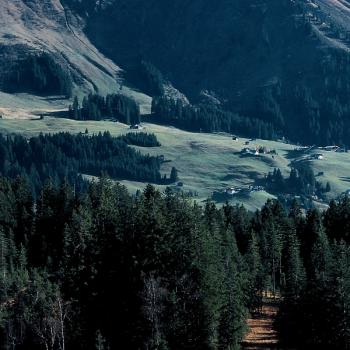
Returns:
<point x="274" y="60"/>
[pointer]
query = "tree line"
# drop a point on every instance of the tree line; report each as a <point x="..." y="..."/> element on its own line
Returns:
<point x="114" y="106"/>
<point x="141" y="139"/>
<point x="208" y="118"/>
<point x="106" y="270"/>
<point x="301" y="181"/>
<point x="66" y="156"/>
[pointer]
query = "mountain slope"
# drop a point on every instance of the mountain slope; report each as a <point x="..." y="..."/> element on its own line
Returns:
<point x="339" y="10"/>
<point x="275" y="60"/>
<point x="284" y="62"/>
<point x="29" y="28"/>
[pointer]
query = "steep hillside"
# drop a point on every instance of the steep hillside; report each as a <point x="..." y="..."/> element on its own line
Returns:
<point x="280" y="61"/>
<point x="339" y="10"/>
<point x="41" y="42"/>
<point x="285" y="63"/>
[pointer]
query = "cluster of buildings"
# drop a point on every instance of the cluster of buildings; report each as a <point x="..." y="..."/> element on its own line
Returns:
<point x="314" y="152"/>
<point x="308" y="149"/>
<point x="136" y="127"/>
<point x="257" y="151"/>
<point x="231" y="191"/>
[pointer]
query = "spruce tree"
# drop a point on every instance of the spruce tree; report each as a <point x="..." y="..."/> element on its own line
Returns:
<point x="294" y="269"/>
<point x="173" y="175"/>
<point x="232" y="324"/>
<point x="254" y="275"/>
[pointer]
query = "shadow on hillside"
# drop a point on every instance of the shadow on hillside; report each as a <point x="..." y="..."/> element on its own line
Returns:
<point x="239" y="174"/>
<point x="223" y="198"/>
<point x="56" y="98"/>
<point x="292" y="154"/>
<point x="345" y="178"/>
<point x="269" y="159"/>
<point x="57" y="114"/>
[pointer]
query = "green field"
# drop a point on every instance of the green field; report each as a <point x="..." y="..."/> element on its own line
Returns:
<point x="206" y="162"/>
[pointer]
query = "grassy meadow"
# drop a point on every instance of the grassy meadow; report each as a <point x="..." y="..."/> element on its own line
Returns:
<point x="206" y="162"/>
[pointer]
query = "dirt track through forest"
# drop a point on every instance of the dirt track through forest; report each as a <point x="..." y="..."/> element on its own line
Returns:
<point x="261" y="334"/>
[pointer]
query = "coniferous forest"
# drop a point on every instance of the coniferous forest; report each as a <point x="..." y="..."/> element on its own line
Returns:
<point x="87" y="262"/>
<point x="66" y="156"/>
<point x="208" y="118"/>
<point x="301" y="181"/>
<point x="102" y="269"/>
<point x="114" y="106"/>
<point x="39" y="74"/>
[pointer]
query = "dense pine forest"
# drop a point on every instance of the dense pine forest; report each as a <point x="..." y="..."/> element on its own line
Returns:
<point x="38" y="74"/>
<point x="106" y="270"/>
<point x="66" y="156"/>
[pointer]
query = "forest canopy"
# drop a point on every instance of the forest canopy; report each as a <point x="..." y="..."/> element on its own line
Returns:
<point x="85" y="271"/>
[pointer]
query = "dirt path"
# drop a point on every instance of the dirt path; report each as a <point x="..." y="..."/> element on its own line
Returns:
<point x="261" y="334"/>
